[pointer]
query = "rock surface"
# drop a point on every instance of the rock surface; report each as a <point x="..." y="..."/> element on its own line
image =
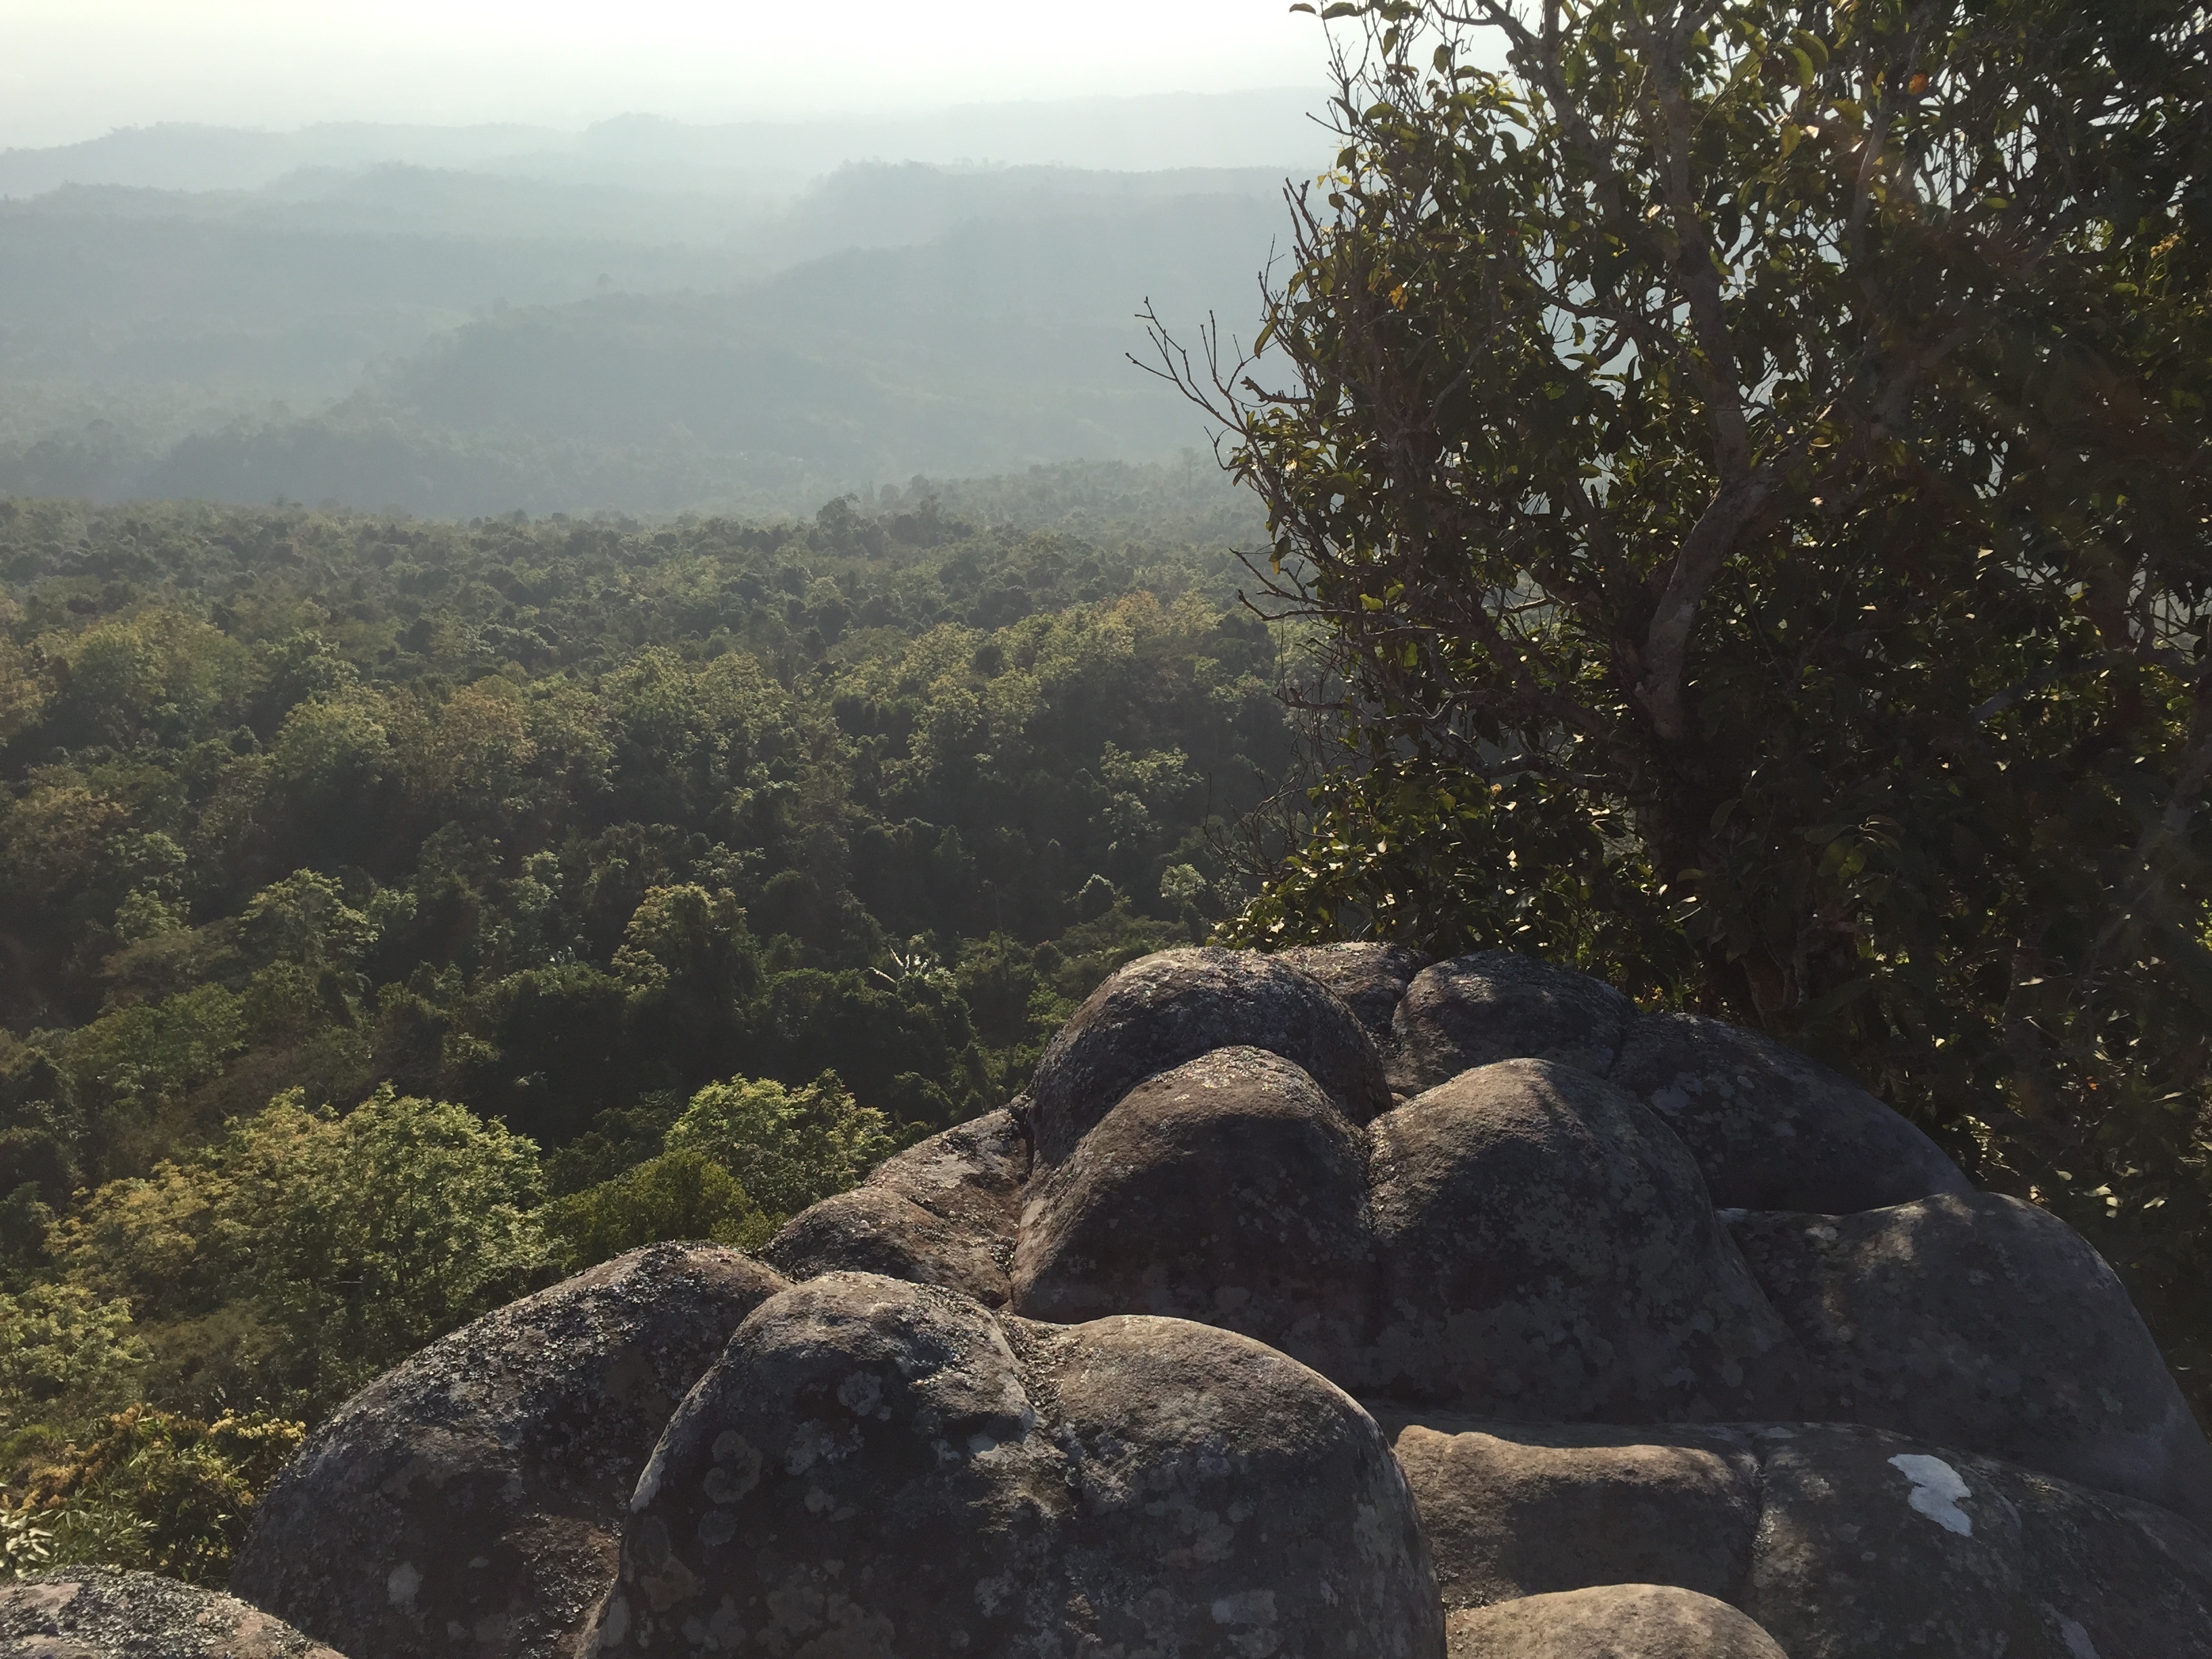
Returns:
<point x="1985" y="1323"/>
<point x="1771" y="1128"/>
<point x="1231" y="1190"/>
<point x="1367" y="978"/>
<point x="873" y="1230"/>
<point x="1162" y="1009"/>
<point x="881" y="1467"/>
<point x="970" y="1176"/>
<point x="943" y="1211"/>
<point x="1514" y="1510"/>
<point x="1493" y="1006"/>
<point x="1618" y="1621"/>
<point x="467" y="1502"/>
<point x="1872" y="1412"/>
<point x="1548" y="1252"/>
<point x="95" y="1612"/>
<point x="1840" y="1541"/>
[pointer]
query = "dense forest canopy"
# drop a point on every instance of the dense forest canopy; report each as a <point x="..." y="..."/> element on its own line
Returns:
<point x="589" y="881"/>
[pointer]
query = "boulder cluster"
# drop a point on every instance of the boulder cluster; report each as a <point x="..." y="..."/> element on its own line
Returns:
<point x="1328" y="1303"/>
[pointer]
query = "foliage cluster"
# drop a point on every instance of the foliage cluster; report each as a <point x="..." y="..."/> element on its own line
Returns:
<point x="1751" y="462"/>
<point x="151" y="1490"/>
<point x="399" y="916"/>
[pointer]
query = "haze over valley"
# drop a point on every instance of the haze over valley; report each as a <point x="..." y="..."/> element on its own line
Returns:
<point x="640" y="316"/>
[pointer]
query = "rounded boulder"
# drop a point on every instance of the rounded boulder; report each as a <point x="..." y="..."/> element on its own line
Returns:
<point x="1368" y="978"/>
<point x="469" y="1502"/>
<point x="1614" y="1621"/>
<point x="97" y="1613"/>
<point x="1548" y="1252"/>
<point x="1162" y="1009"/>
<point x="881" y="1467"/>
<point x="1230" y="1190"/>
<point x="1489" y="1005"/>
<point x="1774" y="1129"/>
<point x="1989" y="1324"/>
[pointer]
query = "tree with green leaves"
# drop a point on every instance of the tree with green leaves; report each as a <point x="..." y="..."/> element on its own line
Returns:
<point x="1747" y="462"/>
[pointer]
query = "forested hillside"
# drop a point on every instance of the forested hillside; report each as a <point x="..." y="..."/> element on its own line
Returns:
<point x="581" y="852"/>
<point x="451" y="342"/>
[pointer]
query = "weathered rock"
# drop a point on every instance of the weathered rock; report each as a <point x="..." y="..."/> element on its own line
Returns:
<point x="1616" y="1622"/>
<point x="1774" y="1129"/>
<point x="1519" y="1510"/>
<point x="1230" y="1190"/>
<point x="971" y="1175"/>
<point x="1496" y="1005"/>
<point x="873" y="1230"/>
<point x="880" y="1467"/>
<point x="1866" y="1544"/>
<point x="1872" y="1544"/>
<point x="96" y="1612"/>
<point x="468" y="1502"/>
<point x="1548" y="1252"/>
<point x="943" y="1211"/>
<point x="1162" y="1009"/>
<point x="1987" y="1324"/>
<point x="1369" y="979"/>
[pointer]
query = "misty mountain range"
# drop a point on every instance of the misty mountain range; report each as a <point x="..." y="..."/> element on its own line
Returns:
<point x="642" y="316"/>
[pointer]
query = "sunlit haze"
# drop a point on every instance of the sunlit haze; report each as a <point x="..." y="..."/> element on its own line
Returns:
<point x="71" y="70"/>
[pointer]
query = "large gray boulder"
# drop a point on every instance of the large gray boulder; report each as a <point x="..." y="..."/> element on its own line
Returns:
<point x="1368" y="978"/>
<point x="1547" y="1251"/>
<point x="1872" y="1543"/>
<point x="468" y="1502"/>
<point x="1616" y="1622"/>
<point x="970" y="1175"/>
<point x="1522" y="1510"/>
<point x="1230" y="1189"/>
<point x="1498" y="1004"/>
<point x="1771" y="1128"/>
<point x="873" y="1230"/>
<point x="943" y="1211"/>
<point x="1985" y="1323"/>
<point x="881" y="1467"/>
<point x="97" y="1613"/>
<point x="1840" y="1541"/>
<point x="1162" y="1009"/>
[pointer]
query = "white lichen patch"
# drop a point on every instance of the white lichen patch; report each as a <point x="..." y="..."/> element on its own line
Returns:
<point x="1936" y="1489"/>
<point x="400" y="1587"/>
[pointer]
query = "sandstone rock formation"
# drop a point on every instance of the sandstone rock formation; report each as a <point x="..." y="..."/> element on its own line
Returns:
<point x="467" y="1502"/>
<point x="95" y="1612"/>
<point x="1369" y="979"/>
<point x="1663" y="1341"/>
<point x="1230" y="1189"/>
<point x="1496" y="1005"/>
<point x="1548" y="1251"/>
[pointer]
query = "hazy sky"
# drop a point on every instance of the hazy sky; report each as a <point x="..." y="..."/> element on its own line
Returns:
<point x="75" y="69"/>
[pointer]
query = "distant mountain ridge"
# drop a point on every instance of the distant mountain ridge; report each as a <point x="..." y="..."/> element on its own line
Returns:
<point x="1268" y="128"/>
<point x="451" y="342"/>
